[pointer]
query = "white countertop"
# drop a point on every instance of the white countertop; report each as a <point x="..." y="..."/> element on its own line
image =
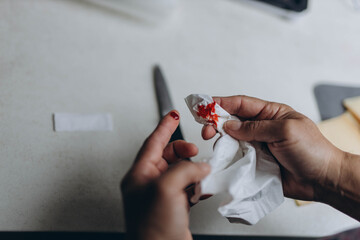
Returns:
<point x="72" y="56"/>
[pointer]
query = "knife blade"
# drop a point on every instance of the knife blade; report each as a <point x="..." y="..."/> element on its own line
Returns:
<point x="163" y="99"/>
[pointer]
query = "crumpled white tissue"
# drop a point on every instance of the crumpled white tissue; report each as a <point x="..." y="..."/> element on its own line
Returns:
<point x="246" y="172"/>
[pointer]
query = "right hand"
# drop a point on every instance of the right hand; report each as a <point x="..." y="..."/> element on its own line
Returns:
<point x="306" y="157"/>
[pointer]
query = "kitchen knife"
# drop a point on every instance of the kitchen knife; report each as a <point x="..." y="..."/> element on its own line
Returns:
<point x="164" y="100"/>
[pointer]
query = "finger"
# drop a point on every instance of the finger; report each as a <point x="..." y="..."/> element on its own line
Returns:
<point x="252" y="108"/>
<point x="153" y="147"/>
<point x="177" y="150"/>
<point x="183" y="174"/>
<point x="208" y="132"/>
<point x="262" y="131"/>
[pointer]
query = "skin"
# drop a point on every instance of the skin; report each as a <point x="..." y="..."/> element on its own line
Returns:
<point x="311" y="167"/>
<point x="294" y="140"/>
<point x="156" y="203"/>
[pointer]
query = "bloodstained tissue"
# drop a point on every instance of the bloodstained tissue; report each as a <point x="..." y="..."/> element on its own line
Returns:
<point x="208" y="112"/>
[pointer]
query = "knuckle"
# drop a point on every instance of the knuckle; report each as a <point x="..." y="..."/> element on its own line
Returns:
<point x="253" y="126"/>
<point x="271" y="108"/>
<point x="274" y="110"/>
<point x="285" y="107"/>
<point x="253" y="129"/>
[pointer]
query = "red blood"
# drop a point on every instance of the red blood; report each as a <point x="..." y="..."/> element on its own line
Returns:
<point x="208" y="113"/>
<point x="174" y="115"/>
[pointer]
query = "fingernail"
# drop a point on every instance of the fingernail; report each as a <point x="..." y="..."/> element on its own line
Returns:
<point x="204" y="166"/>
<point x="206" y="196"/>
<point x="232" y="125"/>
<point x="174" y="115"/>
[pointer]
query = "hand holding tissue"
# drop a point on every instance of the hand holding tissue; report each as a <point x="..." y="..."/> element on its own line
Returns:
<point x="245" y="171"/>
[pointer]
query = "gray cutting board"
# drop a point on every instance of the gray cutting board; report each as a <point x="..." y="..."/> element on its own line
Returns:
<point x="329" y="98"/>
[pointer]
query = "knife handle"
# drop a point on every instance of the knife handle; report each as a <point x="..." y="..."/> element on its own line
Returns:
<point x="177" y="135"/>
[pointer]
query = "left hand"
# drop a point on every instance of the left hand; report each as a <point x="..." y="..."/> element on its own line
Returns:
<point x="155" y="202"/>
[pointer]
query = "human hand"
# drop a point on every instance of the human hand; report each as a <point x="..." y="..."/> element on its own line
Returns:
<point x="306" y="157"/>
<point x="155" y="202"/>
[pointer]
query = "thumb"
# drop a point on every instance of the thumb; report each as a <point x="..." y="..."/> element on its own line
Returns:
<point x="261" y="131"/>
<point x="183" y="174"/>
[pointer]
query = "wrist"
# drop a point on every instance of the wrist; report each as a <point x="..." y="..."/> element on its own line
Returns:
<point x="330" y="182"/>
<point x="341" y="191"/>
<point x="341" y="178"/>
<point x="349" y="181"/>
<point x="335" y="170"/>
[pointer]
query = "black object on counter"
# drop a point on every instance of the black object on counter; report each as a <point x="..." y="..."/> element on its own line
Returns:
<point x="292" y="5"/>
<point x="164" y="100"/>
